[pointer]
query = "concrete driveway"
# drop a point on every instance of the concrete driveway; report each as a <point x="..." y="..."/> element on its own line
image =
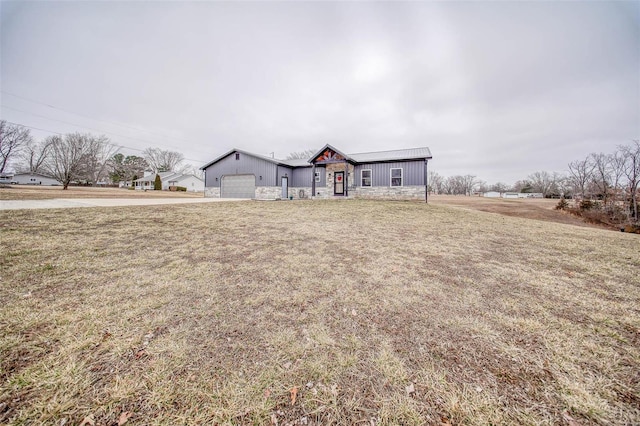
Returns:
<point x="63" y="203"/>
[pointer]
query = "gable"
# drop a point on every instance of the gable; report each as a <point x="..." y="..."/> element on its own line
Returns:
<point x="328" y="156"/>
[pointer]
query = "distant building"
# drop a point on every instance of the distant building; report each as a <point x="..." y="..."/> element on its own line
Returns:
<point x="492" y="194"/>
<point x="33" y="179"/>
<point x="170" y="179"/>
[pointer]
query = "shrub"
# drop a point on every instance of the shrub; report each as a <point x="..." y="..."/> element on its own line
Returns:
<point x="181" y="188"/>
<point x="132" y="187"/>
<point x="157" y="184"/>
<point x="562" y="204"/>
<point x="589" y="205"/>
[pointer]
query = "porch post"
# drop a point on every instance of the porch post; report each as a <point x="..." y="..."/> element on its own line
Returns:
<point x="346" y="178"/>
<point x="313" y="181"/>
<point x="426" y="182"/>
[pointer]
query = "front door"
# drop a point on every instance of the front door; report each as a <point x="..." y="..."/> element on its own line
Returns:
<point x="338" y="183"/>
<point x="285" y="187"/>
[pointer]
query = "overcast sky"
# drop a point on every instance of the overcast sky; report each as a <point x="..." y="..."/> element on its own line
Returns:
<point x="494" y="89"/>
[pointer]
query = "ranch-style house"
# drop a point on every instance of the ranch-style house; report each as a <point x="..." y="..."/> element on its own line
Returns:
<point x="396" y="174"/>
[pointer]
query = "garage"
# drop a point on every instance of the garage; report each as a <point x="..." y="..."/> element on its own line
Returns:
<point x="238" y="186"/>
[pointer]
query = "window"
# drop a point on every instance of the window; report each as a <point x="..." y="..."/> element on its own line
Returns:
<point x="237" y="155"/>
<point x="365" y="177"/>
<point x="317" y="176"/>
<point x="396" y="177"/>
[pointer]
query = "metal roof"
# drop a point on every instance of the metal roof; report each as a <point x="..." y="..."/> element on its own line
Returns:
<point x="393" y="155"/>
<point x="264" y="157"/>
<point x="364" y="157"/>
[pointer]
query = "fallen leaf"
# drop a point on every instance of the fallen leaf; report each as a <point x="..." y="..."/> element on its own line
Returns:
<point x="570" y="420"/>
<point x="274" y="419"/>
<point x="267" y="393"/>
<point x="294" y="394"/>
<point x="140" y="353"/>
<point x="334" y="390"/>
<point x="410" y="389"/>
<point x="124" y="417"/>
<point x="88" y="421"/>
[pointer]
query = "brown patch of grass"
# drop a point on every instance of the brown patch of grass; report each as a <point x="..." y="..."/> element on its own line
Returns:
<point x="528" y="208"/>
<point x="383" y="312"/>
<point x="33" y="192"/>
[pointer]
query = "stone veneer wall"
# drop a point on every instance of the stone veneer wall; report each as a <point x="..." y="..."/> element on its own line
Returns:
<point x="416" y="192"/>
<point x="265" y="192"/>
<point x="295" y="192"/>
<point x="268" y="192"/>
<point x="212" y="192"/>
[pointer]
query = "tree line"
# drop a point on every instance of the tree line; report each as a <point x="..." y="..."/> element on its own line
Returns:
<point x="611" y="179"/>
<point x="80" y="157"/>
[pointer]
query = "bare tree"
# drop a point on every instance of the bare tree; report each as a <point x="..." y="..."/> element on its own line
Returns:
<point x="435" y="182"/>
<point x="617" y="165"/>
<point x="561" y="184"/>
<point x="543" y="182"/>
<point x="602" y="175"/>
<point x="301" y="155"/>
<point x="523" y="186"/>
<point x="469" y="183"/>
<point x="163" y="161"/>
<point x="580" y="174"/>
<point x="96" y="160"/>
<point x="67" y="154"/>
<point x="631" y="155"/>
<point x="499" y="187"/>
<point x="34" y="155"/>
<point x="13" y="138"/>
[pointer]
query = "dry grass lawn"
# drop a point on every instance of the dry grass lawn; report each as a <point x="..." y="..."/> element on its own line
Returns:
<point x="354" y="312"/>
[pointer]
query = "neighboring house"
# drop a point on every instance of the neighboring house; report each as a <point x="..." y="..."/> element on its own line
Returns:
<point x="191" y="182"/>
<point x="34" y="179"/>
<point x="397" y="174"/>
<point x="492" y="194"/>
<point x="6" y="178"/>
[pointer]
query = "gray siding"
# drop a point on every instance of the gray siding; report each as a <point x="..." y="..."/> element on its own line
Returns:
<point x="412" y="173"/>
<point x="282" y="170"/>
<point x="302" y="176"/>
<point x="245" y="165"/>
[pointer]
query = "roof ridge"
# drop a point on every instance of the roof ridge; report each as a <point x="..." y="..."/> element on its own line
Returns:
<point x="390" y="150"/>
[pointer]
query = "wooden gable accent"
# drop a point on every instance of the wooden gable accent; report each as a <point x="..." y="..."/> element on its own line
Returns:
<point x="328" y="156"/>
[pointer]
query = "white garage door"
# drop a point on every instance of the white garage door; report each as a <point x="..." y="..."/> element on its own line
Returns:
<point x="238" y="186"/>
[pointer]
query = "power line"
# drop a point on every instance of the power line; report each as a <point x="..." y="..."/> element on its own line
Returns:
<point x="126" y="126"/>
<point x="62" y="134"/>
<point x="88" y="128"/>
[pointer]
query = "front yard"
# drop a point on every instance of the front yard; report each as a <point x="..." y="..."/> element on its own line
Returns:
<point x="316" y="312"/>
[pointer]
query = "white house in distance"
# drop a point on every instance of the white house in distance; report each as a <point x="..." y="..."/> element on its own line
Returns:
<point x="191" y="182"/>
<point x="28" y="179"/>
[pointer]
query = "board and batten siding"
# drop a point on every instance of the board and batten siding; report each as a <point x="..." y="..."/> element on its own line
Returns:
<point x="303" y="177"/>
<point x="283" y="171"/>
<point x="247" y="164"/>
<point x="412" y="173"/>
